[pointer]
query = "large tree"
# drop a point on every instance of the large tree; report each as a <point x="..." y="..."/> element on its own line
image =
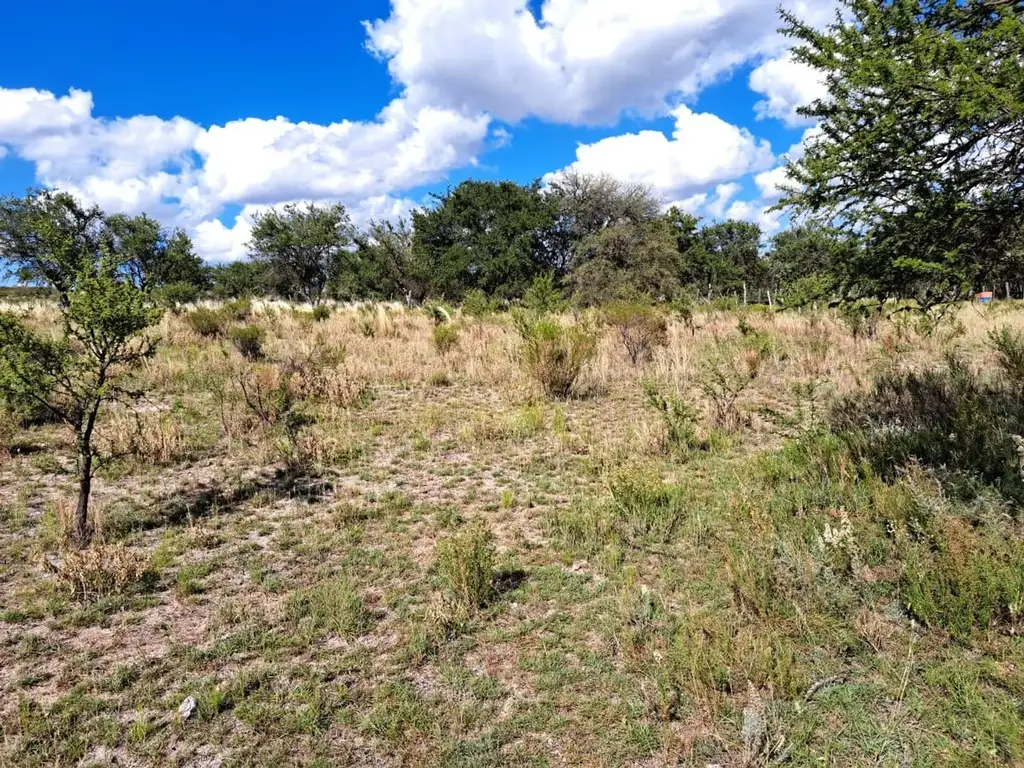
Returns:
<point x="723" y="257"/>
<point x="491" y="236"/>
<point x="385" y="267"/>
<point x="303" y="246"/>
<point x="921" y="142"/>
<point x="154" y="256"/>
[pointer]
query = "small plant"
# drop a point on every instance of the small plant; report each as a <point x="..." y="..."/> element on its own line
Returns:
<point x="726" y="375"/>
<point x="332" y="606"/>
<point x="683" y="305"/>
<point x="543" y="296"/>
<point x="101" y="570"/>
<point x="238" y="310"/>
<point x="554" y="354"/>
<point x="680" y="418"/>
<point x="465" y="567"/>
<point x="440" y="379"/>
<point x="1009" y="348"/>
<point x="206" y="322"/>
<point x="861" y="318"/>
<point x="641" y="328"/>
<point x="476" y="303"/>
<point x="248" y="340"/>
<point x="446" y="338"/>
<point x="645" y="508"/>
<point x="321" y="313"/>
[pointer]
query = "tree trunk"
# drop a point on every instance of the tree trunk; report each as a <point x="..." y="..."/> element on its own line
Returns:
<point x="83" y="531"/>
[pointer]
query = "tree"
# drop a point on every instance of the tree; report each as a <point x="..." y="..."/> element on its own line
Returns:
<point x="808" y="251"/>
<point x="153" y="256"/>
<point x="384" y="264"/>
<point x="626" y="262"/>
<point x="724" y="257"/>
<point x="104" y="317"/>
<point x="239" y="279"/>
<point x="304" y="247"/>
<point x="46" y="236"/>
<point x="921" y="143"/>
<point x="491" y="236"/>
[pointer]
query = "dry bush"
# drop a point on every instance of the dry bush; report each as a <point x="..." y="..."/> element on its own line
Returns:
<point x="101" y="570"/>
<point x="155" y="438"/>
<point x="641" y="328"/>
<point x="554" y="354"/>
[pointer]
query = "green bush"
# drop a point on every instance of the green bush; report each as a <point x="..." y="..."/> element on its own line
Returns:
<point x="248" y="340"/>
<point x="206" y="322"/>
<point x="321" y="312"/>
<point x="679" y="417"/>
<point x="641" y="328"/>
<point x="238" y="310"/>
<point x="543" y="295"/>
<point x="961" y="580"/>
<point x="476" y="303"/>
<point x="465" y="567"/>
<point x="646" y="509"/>
<point x="332" y="606"/>
<point x="965" y="428"/>
<point x="175" y="295"/>
<point x="446" y="338"/>
<point x="554" y="354"/>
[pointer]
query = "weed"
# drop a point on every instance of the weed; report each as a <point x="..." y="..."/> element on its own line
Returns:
<point x="554" y="354"/>
<point x="465" y="567"/>
<point x="248" y="340"/>
<point x="332" y="606"/>
<point x="205" y="322"/>
<point x="641" y="328"/>
<point x="446" y="338"/>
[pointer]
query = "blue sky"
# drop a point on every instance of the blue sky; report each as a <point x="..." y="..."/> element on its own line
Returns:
<point x="202" y="113"/>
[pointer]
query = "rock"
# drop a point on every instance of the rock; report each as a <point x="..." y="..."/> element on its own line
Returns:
<point x="187" y="708"/>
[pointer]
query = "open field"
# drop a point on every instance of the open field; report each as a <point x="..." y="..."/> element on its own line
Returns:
<point x="754" y="596"/>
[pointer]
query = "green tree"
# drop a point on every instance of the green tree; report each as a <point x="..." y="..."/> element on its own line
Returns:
<point x="153" y="256"/>
<point x="239" y="279"/>
<point x="625" y="262"/>
<point x="920" y="147"/>
<point x="104" y="318"/>
<point x="808" y="250"/>
<point x="303" y="246"/>
<point x="385" y="267"/>
<point x="723" y="257"/>
<point x="46" y="236"/>
<point x="492" y="236"/>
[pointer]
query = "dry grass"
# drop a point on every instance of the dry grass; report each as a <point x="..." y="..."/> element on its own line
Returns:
<point x="295" y="569"/>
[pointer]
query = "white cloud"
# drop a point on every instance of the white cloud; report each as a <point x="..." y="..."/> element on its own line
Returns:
<point x="786" y="84"/>
<point x="185" y="174"/>
<point x="581" y="61"/>
<point x="704" y="151"/>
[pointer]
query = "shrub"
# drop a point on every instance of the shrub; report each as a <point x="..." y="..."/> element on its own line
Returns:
<point x="962" y="581"/>
<point x="680" y="418"/>
<point x="861" y="318"/>
<point x="446" y="338"/>
<point x="321" y="313"/>
<point x="332" y="606"/>
<point x="1009" y="349"/>
<point x="174" y="295"/>
<point x="543" y="296"/>
<point x="205" y="322"/>
<point x="726" y="374"/>
<point x="641" y="328"/>
<point x="440" y="379"/>
<point x="238" y="310"/>
<point x="963" y="427"/>
<point x="646" y="509"/>
<point x="476" y="303"/>
<point x="554" y="354"/>
<point x="683" y="305"/>
<point x="248" y="340"/>
<point x="101" y="570"/>
<point x="465" y="567"/>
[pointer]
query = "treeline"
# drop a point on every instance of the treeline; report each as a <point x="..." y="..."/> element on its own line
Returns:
<point x="593" y="238"/>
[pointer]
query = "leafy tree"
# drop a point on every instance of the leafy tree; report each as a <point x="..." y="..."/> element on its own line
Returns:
<point x="304" y="247"/>
<point x="104" y="318"/>
<point x="46" y="236"/>
<point x="625" y="262"/>
<point x="384" y="264"/>
<point x="808" y="251"/>
<point x="920" y="147"/>
<point x="723" y="257"/>
<point x="152" y="256"/>
<point x="239" y="279"/>
<point x="493" y="236"/>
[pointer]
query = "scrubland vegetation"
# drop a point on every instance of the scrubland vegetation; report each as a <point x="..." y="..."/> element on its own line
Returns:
<point x="764" y="540"/>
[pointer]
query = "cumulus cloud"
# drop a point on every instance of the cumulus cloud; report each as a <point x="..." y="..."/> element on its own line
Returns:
<point x="578" y="61"/>
<point x="786" y="84"/>
<point x="703" y="152"/>
<point x="186" y="174"/>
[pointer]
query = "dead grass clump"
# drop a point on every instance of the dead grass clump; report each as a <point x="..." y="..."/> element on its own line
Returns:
<point x="101" y="570"/>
